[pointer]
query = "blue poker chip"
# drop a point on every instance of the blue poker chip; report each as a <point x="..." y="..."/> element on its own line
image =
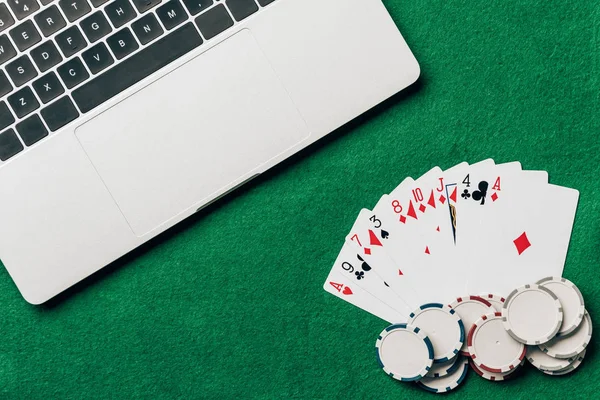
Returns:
<point x="448" y="382"/>
<point x="404" y="352"/>
<point x="444" y="328"/>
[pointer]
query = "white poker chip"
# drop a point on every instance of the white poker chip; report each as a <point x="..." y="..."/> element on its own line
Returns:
<point x="574" y="365"/>
<point x="571" y="300"/>
<point x="438" y="370"/>
<point x="491" y="347"/>
<point x="494" y="376"/>
<point x="496" y="301"/>
<point x="532" y="314"/>
<point x="544" y="362"/>
<point x="470" y="309"/>
<point x="572" y="345"/>
<point x="443" y="327"/>
<point x="448" y="382"/>
<point x="404" y="352"/>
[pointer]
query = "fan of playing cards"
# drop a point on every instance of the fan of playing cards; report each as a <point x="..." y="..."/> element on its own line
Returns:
<point x="483" y="229"/>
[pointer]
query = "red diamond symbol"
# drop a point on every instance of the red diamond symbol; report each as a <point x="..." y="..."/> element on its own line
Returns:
<point x="438" y="229"/>
<point x="422" y="208"/>
<point x="400" y="272"/>
<point x="427" y="250"/>
<point x="522" y="243"/>
<point x="494" y="196"/>
<point x="442" y="199"/>
<point x="402" y="219"/>
<point x="367" y="250"/>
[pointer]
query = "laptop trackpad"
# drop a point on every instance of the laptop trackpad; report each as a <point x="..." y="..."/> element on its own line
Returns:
<point x="192" y="134"/>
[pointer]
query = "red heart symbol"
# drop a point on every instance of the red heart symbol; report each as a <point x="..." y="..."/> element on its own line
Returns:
<point x="347" y="290"/>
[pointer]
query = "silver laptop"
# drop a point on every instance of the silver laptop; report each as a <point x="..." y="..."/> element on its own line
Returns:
<point x="121" y="118"/>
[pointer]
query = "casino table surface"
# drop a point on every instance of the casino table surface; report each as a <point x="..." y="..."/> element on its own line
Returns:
<point x="230" y="304"/>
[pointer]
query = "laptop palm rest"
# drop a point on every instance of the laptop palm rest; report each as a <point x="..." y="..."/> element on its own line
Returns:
<point x="193" y="134"/>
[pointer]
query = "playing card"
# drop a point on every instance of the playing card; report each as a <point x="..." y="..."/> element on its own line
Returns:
<point x="340" y="286"/>
<point x="524" y="238"/>
<point x="352" y="264"/>
<point x="400" y="212"/>
<point x="368" y="236"/>
<point x="480" y="228"/>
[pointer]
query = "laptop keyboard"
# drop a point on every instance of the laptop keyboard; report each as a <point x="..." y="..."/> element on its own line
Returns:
<point x="60" y="59"/>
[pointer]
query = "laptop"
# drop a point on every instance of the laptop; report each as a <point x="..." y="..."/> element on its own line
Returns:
<point x="121" y="118"/>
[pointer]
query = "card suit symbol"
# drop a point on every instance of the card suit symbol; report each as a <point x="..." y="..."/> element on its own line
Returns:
<point x="453" y="195"/>
<point x="385" y="234"/>
<point x="403" y="219"/>
<point x="359" y="275"/>
<point x="465" y="194"/>
<point x="437" y="229"/>
<point x="400" y="272"/>
<point x="427" y="250"/>
<point x="431" y="200"/>
<point x="522" y="243"/>
<point x="373" y="239"/>
<point x="422" y="208"/>
<point x="367" y="250"/>
<point x="365" y="267"/>
<point x="442" y="199"/>
<point x="494" y="197"/>
<point x="411" y="211"/>
<point x="347" y="291"/>
<point x="481" y="193"/>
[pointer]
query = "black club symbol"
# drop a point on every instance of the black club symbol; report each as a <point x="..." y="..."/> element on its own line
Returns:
<point x="359" y="275"/>
<point x="465" y="194"/>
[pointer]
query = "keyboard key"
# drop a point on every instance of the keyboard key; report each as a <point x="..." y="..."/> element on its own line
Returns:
<point x="144" y="5"/>
<point x="135" y="68"/>
<point x="74" y="9"/>
<point x="46" y="2"/>
<point x="46" y="56"/>
<point x="59" y="113"/>
<point x="32" y="130"/>
<point x="95" y="26"/>
<point x="120" y="12"/>
<point x="48" y="87"/>
<point x="21" y="70"/>
<point x="214" y="21"/>
<point x="5" y="86"/>
<point x="147" y="28"/>
<point x="197" y="6"/>
<point x="98" y="58"/>
<point x="50" y="21"/>
<point x="25" y="35"/>
<point x="23" y="8"/>
<point x="6" y="117"/>
<point x="98" y="3"/>
<point x="9" y="144"/>
<point x="171" y="14"/>
<point x="6" y="18"/>
<point x="265" y="2"/>
<point x="71" y="41"/>
<point x="23" y="102"/>
<point x="7" y="50"/>
<point x="241" y="9"/>
<point x="73" y="72"/>
<point x="122" y="43"/>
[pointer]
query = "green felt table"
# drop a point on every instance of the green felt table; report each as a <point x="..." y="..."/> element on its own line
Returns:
<point x="230" y="304"/>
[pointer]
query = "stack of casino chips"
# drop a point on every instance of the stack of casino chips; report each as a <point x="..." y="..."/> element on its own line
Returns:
<point x="545" y="322"/>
